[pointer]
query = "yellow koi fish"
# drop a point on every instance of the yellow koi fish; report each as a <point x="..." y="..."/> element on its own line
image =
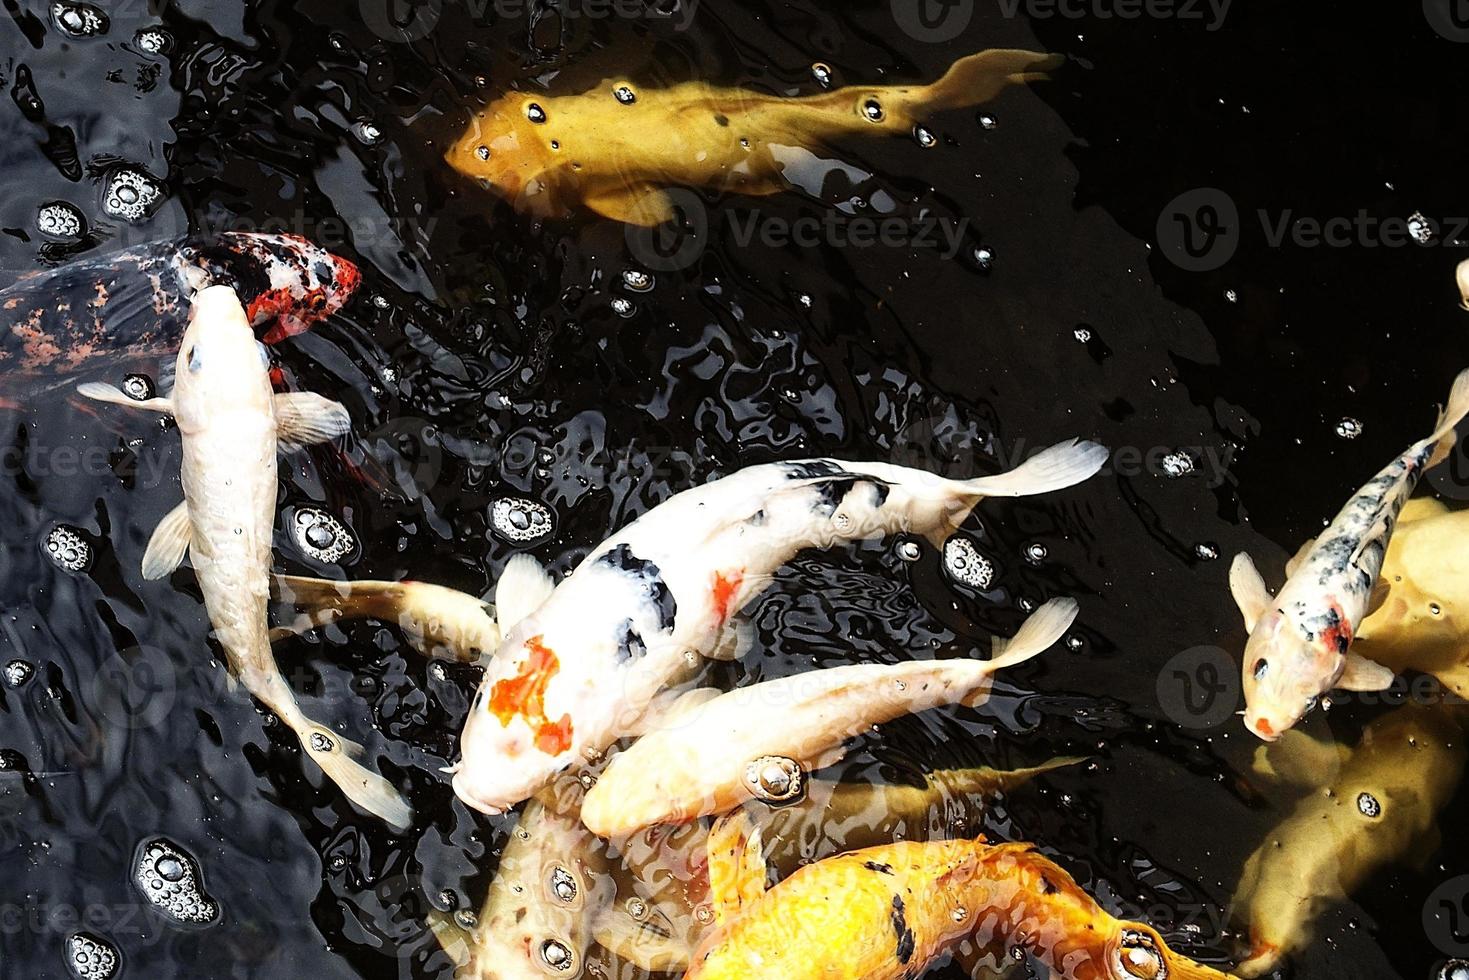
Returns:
<point x="1365" y="810"/>
<point x="618" y="148"/>
<point x="885" y="913"/>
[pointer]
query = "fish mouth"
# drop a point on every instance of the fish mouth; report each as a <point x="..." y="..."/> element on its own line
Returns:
<point x="1263" y="729"/>
<point x="491" y="808"/>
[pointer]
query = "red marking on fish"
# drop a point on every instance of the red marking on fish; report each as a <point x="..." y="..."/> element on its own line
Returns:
<point x="1338" y="636"/>
<point x="1265" y="728"/>
<point x="725" y="588"/>
<point x="524" y="695"/>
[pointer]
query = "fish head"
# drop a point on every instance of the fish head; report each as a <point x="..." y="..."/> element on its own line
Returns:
<point x="220" y="363"/>
<point x="305" y="284"/>
<point x="518" y="737"/>
<point x="512" y="154"/>
<point x="550" y="888"/>
<point x="1285" y="675"/>
<point x="1137" y="952"/>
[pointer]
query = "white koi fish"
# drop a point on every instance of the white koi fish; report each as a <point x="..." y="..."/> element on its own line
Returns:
<point x="231" y="425"/>
<point x="702" y="758"/>
<point x="578" y="672"/>
<point x="1300" y="640"/>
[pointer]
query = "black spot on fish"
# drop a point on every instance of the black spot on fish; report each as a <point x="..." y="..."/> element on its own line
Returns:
<point x="630" y="644"/>
<point x="756" y="519"/>
<point x="880" y="491"/>
<point x="882" y="869"/>
<point x="323" y="271"/>
<point x="650" y="577"/>
<point x="906" y="941"/>
<point x="721" y="119"/>
<point x="812" y="469"/>
<point x="831" y="493"/>
<point x="1048" y="887"/>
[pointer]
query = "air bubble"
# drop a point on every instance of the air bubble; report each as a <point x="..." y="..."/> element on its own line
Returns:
<point x="909" y="550"/>
<point x="17" y="672"/>
<point x="482" y="151"/>
<point x="821" y="71"/>
<point x="90" y="957"/>
<point x="637" y="280"/>
<point x="466" y="919"/>
<point x="60" y="219"/>
<point x="1368" y="806"/>
<point x="368" y="132"/>
<point x="79" y="19"/>
<point x="1349" y="428"/>
<point x="966" y="565"/>
<point x="153" y="40"/>
<point x="1420" y="229"/>
<point x="623" y="306"/>
<point x="66" y="546"/>
<point x="775" y="779"/>
<point x="1435" y="609"/>
<point x="169" y="879"/>
<point x="625" y="94"/>
<point x="520" y="520"/>
<point x="1177" y="464"/>
<point x="872" y="110"/>
<point x="988" y="122"/>
<point x="1074" y="643"/>
<point x="321" y="742"/>
<point x="1036" y="552"/>
<point x="138" y="387"/>
<point x="535" y="113"/>
<point x="1206" y="550"/>
<point x="959" y="914"/>
<point x="563" y="885"/>
<point x="637" y="908"/>
<point x="557" y="956"/>
<point x="1082" y="334"/>
<point x="984" y="257"/>
<point x="1454" y="970"/>
<point x="321" y="536"/>
<point x="925" y="137"/>
<point x="1231" y="296"/>
<point x="130" y="195"/>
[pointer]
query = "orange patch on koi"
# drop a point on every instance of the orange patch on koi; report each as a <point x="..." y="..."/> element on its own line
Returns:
<point x="525" y="695"/>
<point x="724" y="592"/>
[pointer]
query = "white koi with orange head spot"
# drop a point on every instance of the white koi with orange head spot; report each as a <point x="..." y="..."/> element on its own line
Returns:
<point x="583" y="668"/>
<point x="1300" y="640"/>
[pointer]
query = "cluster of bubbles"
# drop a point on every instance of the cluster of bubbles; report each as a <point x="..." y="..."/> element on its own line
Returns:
<point x="1036" y="552"/>
<point x="321" y="536"/>
<point x="169" y="879"/>
<point x="130" y="195"/>
<point x="1349" y="428"/>
<point x="822" y="73"/>
<point x="368" y="132"/>
<point x="966" y="565"/>
<point x="925" y="137"/>
<point x="1420" y="229"/>
<point x="637" y="280"/>
<point x="520" y="520"/>
<point x="60" y="219"/>
<point x="17" y="672"/>
<point x="1206" y="550"/>
<point x="138" y="387"/>
<point x="624" y="94"/>
<point x="1368" y="806"/>
<point x="775" y="779"/>
<point x="90" y="958"/>
<point x="153" y="40"/>
<point x="79" y="19"/>
<point x="67" y="548"/>
<point x="1177" y="464"/>
<point x="1454" y="970"/>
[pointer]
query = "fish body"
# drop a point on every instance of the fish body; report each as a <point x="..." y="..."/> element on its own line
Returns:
<point x="706" y="759"/>
<point x="1364" y="810"/>
<point x="134" y="305"/>
<point x="618" y="148"/>
<point x="886" y="913"/>
<point x="583" y="668"/>
<point x="232" y="425"/>
<point x="1300" y="640"/>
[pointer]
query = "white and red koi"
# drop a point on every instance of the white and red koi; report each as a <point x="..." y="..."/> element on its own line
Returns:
<point x="231" y="427"/>
<point x="581" y="670"/>
<point x="700" y="759"/>
<point x="1300" y="640"/>
<point x="133" y="305"/>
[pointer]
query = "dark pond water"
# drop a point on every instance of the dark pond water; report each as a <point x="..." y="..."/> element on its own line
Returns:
<point x="490" y="356"/>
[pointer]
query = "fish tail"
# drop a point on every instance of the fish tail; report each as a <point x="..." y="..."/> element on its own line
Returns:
<point x="1448" y="419"/>
<point x="978" y="78"/>
<point x="1055" y="468"/>
<point x="326" y="600"/>
<point x="454" y="938"/>
<point x="362" y="786"/>
<point x="1044" y="627"/>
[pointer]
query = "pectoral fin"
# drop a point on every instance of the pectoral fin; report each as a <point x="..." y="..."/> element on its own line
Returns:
<point x="1379" y="595"/>
<point x="1299" y="558"/>
<point x="523" y="587"/>
<point x="1364" y="675"/>
<point x="636" y="204"/>
<point x="736" y="865"/>
<point x="1249" y="590"/>
<point x="169" y="544"/>
<point x="114" y="395"/>
<point x="304" y="418"/>
<point x="454" y="938"/>
<point x="1298" y="759"/>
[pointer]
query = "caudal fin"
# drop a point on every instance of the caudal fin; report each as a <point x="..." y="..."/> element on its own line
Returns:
<point x="978" y="78"/>
<point x="1044" y="627"/>
<point x="1453" y="413"/>
<point x="1055" y="468"/>
<point x="361" y="785"/>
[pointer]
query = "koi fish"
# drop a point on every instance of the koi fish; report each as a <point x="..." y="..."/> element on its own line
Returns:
<point x="704" y="756"/>
<point x="1461" y="274"/>
<point x="231" y="426"/>
<point x="582" y="669"/>
<point x="1423" y="624"/>
<point x="1300" y="640"/>
<point x="617" y="148"/>
<point x="133" y="305"/>
<point x="1364" y="810"/>
<point x="885" y="913"/>
<point x="663" y="911"/>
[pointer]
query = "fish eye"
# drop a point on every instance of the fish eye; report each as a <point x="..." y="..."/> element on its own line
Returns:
<point x="195" y="360"/>
<point x="557" y="956"/>
<point x="1138" y="956"/>
<point x="1262" y="667"/>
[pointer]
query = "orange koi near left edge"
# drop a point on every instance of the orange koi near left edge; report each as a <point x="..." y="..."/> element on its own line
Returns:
<point x="525" y="695"/>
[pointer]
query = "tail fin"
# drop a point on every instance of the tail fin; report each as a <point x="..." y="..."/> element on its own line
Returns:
<point x="984" y="780"/>
<point x="977" y="78"/>
<point x="1055" y="468"/>
<point x="1044" y="627"/>
<point x="362" y="786"/>
<point x="1453" y="413"/>
<point x="328" y="600"/>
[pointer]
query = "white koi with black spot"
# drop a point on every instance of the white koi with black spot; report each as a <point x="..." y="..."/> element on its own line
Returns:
<point x="583" y="668"/>
<point x="1300" y="640"/>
